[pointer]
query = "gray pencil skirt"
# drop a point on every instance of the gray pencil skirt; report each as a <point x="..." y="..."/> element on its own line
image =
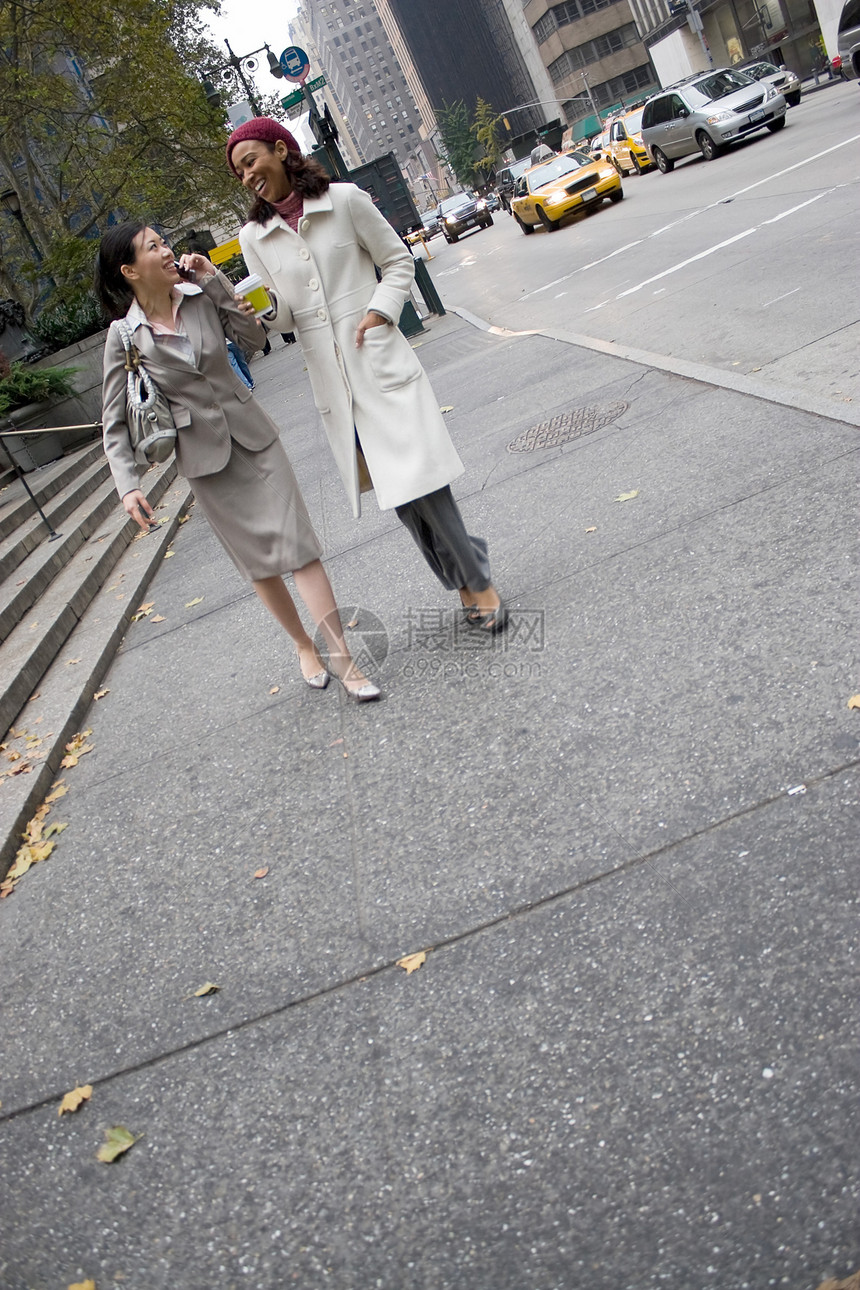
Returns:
<point x="257" y="512"/>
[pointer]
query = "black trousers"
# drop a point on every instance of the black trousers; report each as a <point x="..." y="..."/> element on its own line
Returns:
<point x="456" y="558"/>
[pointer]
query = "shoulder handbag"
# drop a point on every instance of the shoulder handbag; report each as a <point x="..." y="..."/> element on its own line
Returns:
<point x="148" y="416"/>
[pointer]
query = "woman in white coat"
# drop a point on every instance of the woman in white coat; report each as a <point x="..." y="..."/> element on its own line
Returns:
<point x="317" y="247"/>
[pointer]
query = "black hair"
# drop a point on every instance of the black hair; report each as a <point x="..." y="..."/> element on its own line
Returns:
<point x="306" y="176"/>
<point x="116" y="249"/>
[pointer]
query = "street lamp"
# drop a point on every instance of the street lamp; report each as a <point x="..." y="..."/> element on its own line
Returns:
<point x="12" y="203"/>
<point x="239" y="64"/>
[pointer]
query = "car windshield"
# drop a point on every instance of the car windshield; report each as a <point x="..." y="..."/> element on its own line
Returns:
<point x="761" y="70"/>
<point x="719" y="86"/>
<point x="452" y="203"/>
<point x="556" y="169"/>
<point x="633" y="123"/>
<point x="429" y="218"/>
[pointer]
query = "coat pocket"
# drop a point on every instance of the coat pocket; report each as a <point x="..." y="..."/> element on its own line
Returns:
<point x="391" y="358"/>
<point x="181" y="416"/>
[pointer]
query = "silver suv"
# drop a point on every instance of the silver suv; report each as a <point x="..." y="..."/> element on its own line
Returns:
<point x="848" y="39"/>
<point x="706" y="113"/>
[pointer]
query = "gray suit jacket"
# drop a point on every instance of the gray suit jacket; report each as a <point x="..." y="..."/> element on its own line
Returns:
<point x="210" y="405"/>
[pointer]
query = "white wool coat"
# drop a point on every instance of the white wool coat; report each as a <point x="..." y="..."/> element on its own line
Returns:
<point x="324" y="281"/>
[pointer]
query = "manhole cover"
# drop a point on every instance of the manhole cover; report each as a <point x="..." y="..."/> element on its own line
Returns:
<point x="568" y="426"/>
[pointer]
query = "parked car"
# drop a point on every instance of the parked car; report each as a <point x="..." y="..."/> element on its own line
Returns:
<point x="461" y="212"/>
<point x="848" y="38"/>
<point x="707" y="112"/>
<point x="569" y="182"/>
<point x="625" y="148"/>
<point x="788" y="83"/>
<point x="492" y="200"/>
<point x="507" y="177"/>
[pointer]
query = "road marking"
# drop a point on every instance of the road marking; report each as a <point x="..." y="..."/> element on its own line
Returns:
<point x="784" y="296"/>
<point x="719" y="246"/>
<point x="691" y="215"/>
<point x="683" y="263"/>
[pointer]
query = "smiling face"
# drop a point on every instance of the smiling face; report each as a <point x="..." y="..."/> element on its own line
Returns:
<point x="260" y="167"/>
<point x="152" y="269"/>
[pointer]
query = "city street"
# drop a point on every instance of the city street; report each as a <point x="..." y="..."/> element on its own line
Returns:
<point x="541" y="973"/>
<point x="745" y="262"/>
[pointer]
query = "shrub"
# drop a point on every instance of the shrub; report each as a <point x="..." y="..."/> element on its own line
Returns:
<point x="26" y="385"/>
<point x="67" y="322"/>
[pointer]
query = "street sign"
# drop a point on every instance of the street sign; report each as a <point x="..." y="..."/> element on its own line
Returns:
<point x="295" y="63"/>
<point x="298" y="96"/>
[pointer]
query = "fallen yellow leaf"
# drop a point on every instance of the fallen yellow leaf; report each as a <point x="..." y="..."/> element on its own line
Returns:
<point x="159" y="618"/>
<point x="626" y="497"/>
<point x="54" y="828"/>
<point x="100" y="694"/>
<point x="208" y="988"/>
<point x="183" y="519"/>
<point x="59" y="790"/>
<point x="73" y="1100"/>
<point x="89" y="1284"/>
<point x="854" y="701"/>
<point x="117" y="1142"/>
<point x="353" y="622"/>
<point x="449" y="407"/>
<point x="276" y="689"/>
<point x="261" y="873"/>
<point x="198" y="600"/>
<point x="168" y="554"/>
<point x="412" y="962"/>
<point x="71" y="661"/>
<point x="594" y="530"/>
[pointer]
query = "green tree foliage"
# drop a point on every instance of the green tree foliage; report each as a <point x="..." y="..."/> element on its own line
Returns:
<point x="102" y="114"/>
<point x="458" y="140"/>
<point x="486" y="129"/>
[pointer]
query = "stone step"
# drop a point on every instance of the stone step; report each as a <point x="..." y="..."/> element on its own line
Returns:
<point x="34" y="643"/>
<point x="32" y="579"/>
<point x="16" y="507"/>
<point x="31" y="532"/>
<point x="63" y="693"/>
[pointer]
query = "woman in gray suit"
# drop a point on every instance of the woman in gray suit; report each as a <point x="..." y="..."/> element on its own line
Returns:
<point x="226" y="444"/>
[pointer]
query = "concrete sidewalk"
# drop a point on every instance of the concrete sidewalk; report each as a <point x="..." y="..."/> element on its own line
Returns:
<point x="625" y="834"/>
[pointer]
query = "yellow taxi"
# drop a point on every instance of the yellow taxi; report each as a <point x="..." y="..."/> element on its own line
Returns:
<point x="625" y="148"/>
<point x="570" y="182"/>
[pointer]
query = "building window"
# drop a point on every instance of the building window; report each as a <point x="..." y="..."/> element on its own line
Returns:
<point x="562" y="15"/>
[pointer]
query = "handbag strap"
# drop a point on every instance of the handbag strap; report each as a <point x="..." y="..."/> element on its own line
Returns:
<point x="132" y="356"/>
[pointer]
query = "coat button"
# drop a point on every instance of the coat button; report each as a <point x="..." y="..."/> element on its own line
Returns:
<point x="313" y="284"/>
<point x="305" y="225"/>
<point x="321" y="314"/>
<point x="305" y="253"/>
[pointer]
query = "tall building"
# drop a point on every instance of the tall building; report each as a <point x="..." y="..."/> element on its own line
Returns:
<point x="364" y="76"/>
<point x="470" y="49"/>
<point x="594" y="54"/>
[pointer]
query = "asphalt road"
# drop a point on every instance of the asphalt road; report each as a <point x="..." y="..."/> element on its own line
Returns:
<point x="747" y="263"/>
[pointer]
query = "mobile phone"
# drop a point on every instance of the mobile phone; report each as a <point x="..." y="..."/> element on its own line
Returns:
<point x="187" y="274"/>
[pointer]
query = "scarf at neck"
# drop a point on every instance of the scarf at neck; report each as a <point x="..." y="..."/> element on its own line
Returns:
<point x="291" y="209"/>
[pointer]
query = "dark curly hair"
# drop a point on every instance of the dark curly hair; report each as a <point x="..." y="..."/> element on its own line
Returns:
<point x="116" y="249"/>
<point x="306" y="176"/>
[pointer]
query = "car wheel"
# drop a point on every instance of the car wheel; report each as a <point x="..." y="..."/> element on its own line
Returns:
<point x="710" y="150"/>
<point x="616" y="196"/>
<point x="453" y="237"/>
<point x="527" y="228"/>
<point x="773" y="126"/>
<point x="549" y="224"/>
<point x="636" y="166"/>
<point x="793" y="99"/>
<point x="488" y="222"/>
<point x="664" y="163"/>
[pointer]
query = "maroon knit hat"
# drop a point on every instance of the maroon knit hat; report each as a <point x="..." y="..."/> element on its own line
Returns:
<point x="263" y="128"/>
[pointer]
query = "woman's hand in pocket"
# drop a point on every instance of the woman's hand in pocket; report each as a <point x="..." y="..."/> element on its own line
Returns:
<point x="372" y="319"/>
